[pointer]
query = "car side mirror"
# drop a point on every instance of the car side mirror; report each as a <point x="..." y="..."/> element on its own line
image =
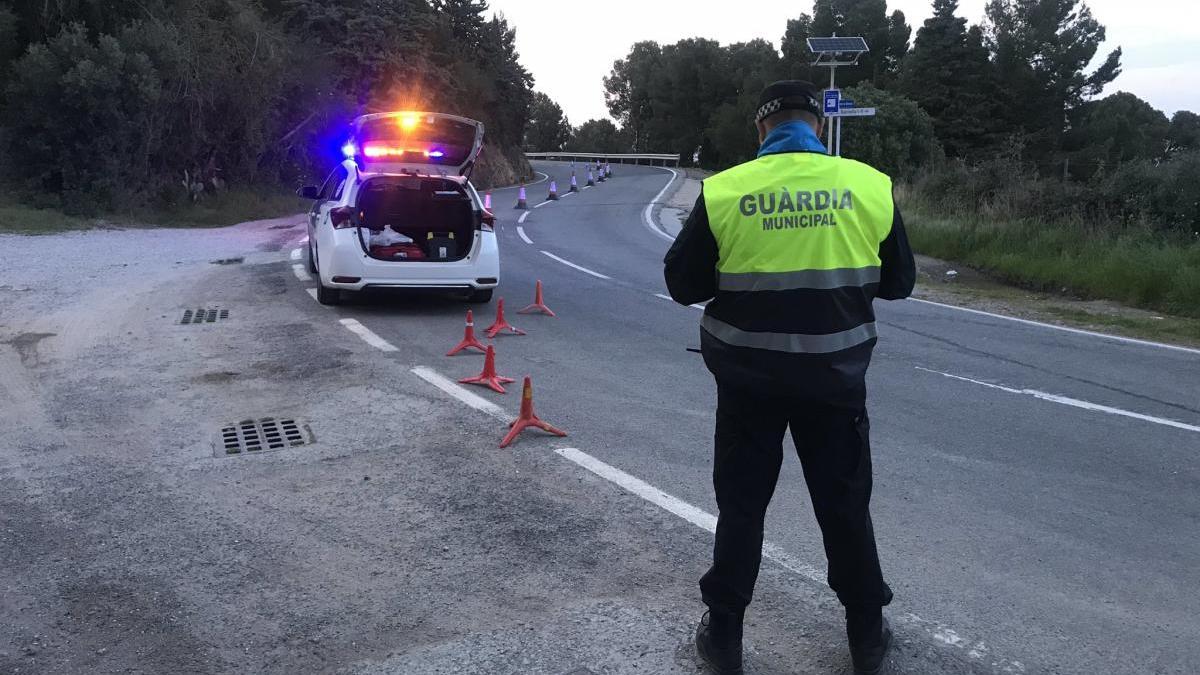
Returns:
<point x="309" y="192"/>
<point x="488" y="218"/>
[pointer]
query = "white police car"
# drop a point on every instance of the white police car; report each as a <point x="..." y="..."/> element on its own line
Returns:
<point x="400" y="212"/>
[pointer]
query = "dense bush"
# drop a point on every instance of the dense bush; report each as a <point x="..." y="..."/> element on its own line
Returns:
<point x="157" y="101"/>
<point x="1145" y="195"/>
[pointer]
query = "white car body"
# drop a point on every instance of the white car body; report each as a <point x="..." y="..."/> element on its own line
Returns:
<point x="340" y="257"/>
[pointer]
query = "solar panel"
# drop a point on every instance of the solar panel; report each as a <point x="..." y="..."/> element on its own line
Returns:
<point x="841" y="45"/>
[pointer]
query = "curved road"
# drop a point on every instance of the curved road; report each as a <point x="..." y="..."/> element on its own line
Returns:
<point x="1037" y="496"/>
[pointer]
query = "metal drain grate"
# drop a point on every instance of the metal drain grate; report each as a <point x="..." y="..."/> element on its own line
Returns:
<point x="268" y="433"/>
<point x="203" y="315"/>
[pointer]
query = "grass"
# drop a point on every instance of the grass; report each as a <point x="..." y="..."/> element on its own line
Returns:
<point x="1136" y="268"/>
<point x="226" y="208"/>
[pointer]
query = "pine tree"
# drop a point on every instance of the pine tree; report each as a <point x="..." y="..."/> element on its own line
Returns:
<point x="949" y="75"/>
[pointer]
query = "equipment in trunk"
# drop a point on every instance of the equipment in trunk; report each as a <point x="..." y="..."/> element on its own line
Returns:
<point x="435" y="213"/>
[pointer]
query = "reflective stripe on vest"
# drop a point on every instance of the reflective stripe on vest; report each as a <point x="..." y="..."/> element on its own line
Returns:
<point x="786" y="281"/>
<point x="792" y="343"/>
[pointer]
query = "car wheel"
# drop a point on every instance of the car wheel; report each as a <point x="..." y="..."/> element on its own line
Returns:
<point x="312" y="258"/>
<point x="326" y="295"/>
<point x="481" y="296"/>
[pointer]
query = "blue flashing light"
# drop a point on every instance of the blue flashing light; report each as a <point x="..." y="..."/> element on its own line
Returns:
<point x="438" y="154"/>
<point x="349" y="150"/>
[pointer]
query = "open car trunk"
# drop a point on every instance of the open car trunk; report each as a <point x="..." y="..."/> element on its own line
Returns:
<point x="416" y="219"/>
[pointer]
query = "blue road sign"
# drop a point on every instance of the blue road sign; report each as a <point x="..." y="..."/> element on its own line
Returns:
<point x="845" y="103"/>
<point x="832" y="97"/>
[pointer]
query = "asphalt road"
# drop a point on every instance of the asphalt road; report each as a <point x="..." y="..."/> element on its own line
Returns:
<point x="1019" y="523"/>
<point x="1036" y="501"/>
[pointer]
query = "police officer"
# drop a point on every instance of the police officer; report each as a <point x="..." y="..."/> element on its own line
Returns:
<point x="792" y="248"/>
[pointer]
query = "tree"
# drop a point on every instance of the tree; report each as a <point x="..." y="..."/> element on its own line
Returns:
<point x="548" y="129"/>
<point x="598" y="136"/>
<point x="731" y="133"/>
<point x="1042" y="48"/>
<point x="1184" y="133"/>
<point x="886" y="36"/>
<point x="899" y="140"/>
<point x="1115" y="129"/>
<point x="627" y="91"/>
<point x="949" y="75"/>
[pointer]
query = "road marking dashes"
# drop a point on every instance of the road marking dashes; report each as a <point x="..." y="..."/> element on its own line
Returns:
<point x="524" y="237"/>
<point x="454" y="389"/>
<point x="300" y="272"/>
<point x="1073" y="402"/>
<point x="568" y="263"/>
<point x="368" y="335"/>
<point x="667" y="297"/>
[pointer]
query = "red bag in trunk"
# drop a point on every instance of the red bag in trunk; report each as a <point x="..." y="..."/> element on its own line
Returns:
<point x="398" y="252"/>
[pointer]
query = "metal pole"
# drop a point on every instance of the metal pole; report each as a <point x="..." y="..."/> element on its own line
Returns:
<point x="829" y="143"/>
<point x="838" y="143"/>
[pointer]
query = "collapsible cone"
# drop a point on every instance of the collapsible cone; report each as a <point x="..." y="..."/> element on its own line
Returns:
<point x="521" y="198"/>
<point x="501" y="323"/>
<point x="538" y="304"/>
<point x="553" y="191"/>
<point x="591" y="181"/>
<point x="608" y="170"/>
<point x="488" y="378"/>
<point x="599" y="173"/>
<point x="527" y="418"/>
<point x="574" y="183"/>
<point x="468" y="341"/>
<point x="487" y="201"/>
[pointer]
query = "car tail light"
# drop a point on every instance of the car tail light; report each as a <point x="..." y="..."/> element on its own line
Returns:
<point x="489" y="221"/>
<point x="342" y="217"/>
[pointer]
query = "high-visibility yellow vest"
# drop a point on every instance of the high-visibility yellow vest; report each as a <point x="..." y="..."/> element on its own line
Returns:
<point x="798" y="221"/>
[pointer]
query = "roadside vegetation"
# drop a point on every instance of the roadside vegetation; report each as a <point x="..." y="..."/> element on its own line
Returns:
<point x="1006" y="156"/>
<point x="210" y="111"/>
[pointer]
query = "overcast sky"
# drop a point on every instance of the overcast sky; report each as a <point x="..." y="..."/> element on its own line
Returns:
<point x="569" y="45"/>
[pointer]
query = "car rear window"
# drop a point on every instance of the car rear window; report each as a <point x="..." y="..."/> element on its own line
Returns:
<point x="440" y="141"/>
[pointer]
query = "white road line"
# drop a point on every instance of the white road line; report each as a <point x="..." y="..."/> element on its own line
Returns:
<point x="1077" y="331"/>
<point x="667" y="297"/>
<point x="523" y="217"/>
<point x="312" y="292"/>
<point x="368" y="335"/>
<point x="454" y="389"/>
<point x="524" y="237"/>
<point x="646" y="214"/>
<point x="540" y="205"/>
<point x="1073" y="402"/>
<point x="568" y="263"/>
<point x="586" y="187"/>
<point x="300" y="272"/>
<point x="565" y="195"/>
<point x="296" y="253"/>
<point x="975" y="649"/>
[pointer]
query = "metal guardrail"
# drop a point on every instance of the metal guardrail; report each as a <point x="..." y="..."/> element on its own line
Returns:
<point x="652" y="159"/>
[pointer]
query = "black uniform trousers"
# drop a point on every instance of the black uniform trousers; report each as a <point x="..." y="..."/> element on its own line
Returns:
<point x="834" y="448"/>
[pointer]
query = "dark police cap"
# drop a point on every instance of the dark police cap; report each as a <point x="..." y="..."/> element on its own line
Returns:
<point x="788" y="95"/>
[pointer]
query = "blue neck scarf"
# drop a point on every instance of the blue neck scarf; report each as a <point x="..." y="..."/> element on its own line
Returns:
<point x="793" y="136"/>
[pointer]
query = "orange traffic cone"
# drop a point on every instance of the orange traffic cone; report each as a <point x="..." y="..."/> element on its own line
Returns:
<point x="574" y="183"/>
<point x="528" y="418"/>
<point x="591" y="179"/>
<point x="501" y="323"/>
<point x="488" y="377"/>
<point x="469" y="341"/>
<point x="521" y="198"/>
<point x="538" y="305"/>
<point x="487" y="201"/>
<point x="553" y="191"/>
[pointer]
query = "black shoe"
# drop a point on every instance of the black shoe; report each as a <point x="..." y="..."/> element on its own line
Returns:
<point x="867" y="653"/>
<point x="719" y="643"/>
